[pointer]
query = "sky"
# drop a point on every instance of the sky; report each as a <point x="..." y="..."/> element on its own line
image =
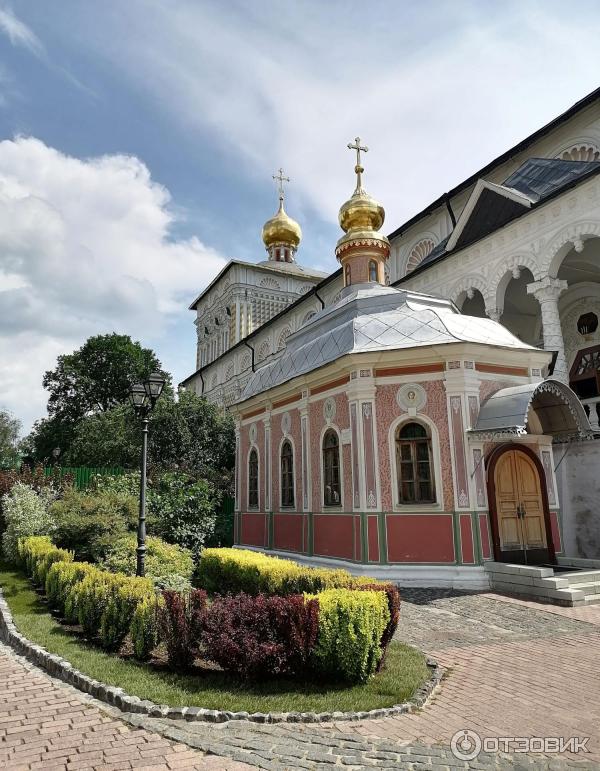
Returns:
<point x="138" y="140"/>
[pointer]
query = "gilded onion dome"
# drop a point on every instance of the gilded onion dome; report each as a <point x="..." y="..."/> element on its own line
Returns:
<point x="281" y="234"/>
<point x="281" y="230"/>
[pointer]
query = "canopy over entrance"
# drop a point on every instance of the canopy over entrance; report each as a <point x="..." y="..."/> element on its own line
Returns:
<point x="549" y="408"/>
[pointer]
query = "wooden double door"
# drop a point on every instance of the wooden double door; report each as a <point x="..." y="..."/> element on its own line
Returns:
<point x="521" y="514"/>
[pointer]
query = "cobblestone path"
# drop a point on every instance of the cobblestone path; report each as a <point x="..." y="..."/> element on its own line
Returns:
<point x="514" y="669"/>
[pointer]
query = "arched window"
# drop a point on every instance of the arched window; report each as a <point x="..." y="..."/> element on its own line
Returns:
<point x="372" y="270"/>
<point x="253" y="479"/>
<point x="331" y="469"/>
<point x="347" y="275"/>
<point x="287" y="474"/>
<point x="414" y="464"/>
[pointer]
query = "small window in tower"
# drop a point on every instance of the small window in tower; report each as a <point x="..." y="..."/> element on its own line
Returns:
<point x="347" y="275"/>
<point x="372" y="270"/>
<point x="587" y="324"/>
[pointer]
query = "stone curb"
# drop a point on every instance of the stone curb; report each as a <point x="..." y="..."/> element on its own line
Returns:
<point x="116" y="697"/>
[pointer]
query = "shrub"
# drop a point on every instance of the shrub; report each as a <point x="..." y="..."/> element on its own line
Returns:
<point x="26" y="513"/>
<point x="144" y="627"/>
<point x="125" y="594"/>
<point x="90" y="522"/>
<point x="92" y="596"/>
<point x="38" y="553"/>
<point x="181" y="620"/>
<point x="61" y="577"/>
<point x="73" y="593"/>
<point x="183" y="510"/>
<point x="169" y="566"/>
<point x="261" y="636"/>
<point x="351" y="626"/>
<point x="240" y="570"/>
<point x="393" y="600"/>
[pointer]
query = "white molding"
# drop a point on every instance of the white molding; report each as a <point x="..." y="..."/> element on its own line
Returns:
<point x="288" y="438"/>
<point x="338" y="431"/>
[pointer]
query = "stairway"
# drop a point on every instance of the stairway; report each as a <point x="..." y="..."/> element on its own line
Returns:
<point x="544" y="584"/>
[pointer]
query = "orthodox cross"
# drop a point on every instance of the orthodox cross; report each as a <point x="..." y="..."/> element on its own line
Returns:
<point x="280" y="179"/>
<point x="358" y="168"/>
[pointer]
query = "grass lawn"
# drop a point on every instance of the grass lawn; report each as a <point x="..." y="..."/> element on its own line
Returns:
<point x="405" y="670"/>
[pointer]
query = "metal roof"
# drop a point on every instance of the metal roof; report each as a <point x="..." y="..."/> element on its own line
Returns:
<point x="556" y="405"/>
<point x="371" y="317"/>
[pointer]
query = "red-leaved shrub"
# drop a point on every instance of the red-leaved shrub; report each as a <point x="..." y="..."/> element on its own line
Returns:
<point x="261" y="636"/>
<point x="393" y="598"/>
<point x="181" y="622"/>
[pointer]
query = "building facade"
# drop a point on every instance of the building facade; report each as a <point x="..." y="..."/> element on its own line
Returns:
<point x="518" y="242"/>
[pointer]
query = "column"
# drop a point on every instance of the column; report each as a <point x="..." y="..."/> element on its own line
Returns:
<point x="494" y="313"/>
<point x="547" y="291"/>
<point x="238" y="325"/>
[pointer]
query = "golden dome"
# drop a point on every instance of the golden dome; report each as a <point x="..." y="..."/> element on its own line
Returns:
<point x="361" y="212"/>
<point x="281" y="229"/>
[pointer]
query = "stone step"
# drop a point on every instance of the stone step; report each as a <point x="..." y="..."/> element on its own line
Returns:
<point x="518" y="570"/>
<point x="589" y="589"/>
<point x="592" y="599"/>
<point x="564" y="595"/>
<point x="581" y="576"/>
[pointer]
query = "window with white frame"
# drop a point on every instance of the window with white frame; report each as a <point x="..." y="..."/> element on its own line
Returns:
<point x="287" y="475"/>
<point x="253" y="479"/>
<point x="414" y="464"/>
<point x="332" y="495"/>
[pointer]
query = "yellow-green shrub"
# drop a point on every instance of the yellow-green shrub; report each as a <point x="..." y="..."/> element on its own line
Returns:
<point x="92" y="596"/>
<point x="351" y="625"/>
<point x="61" y="577"/>
<point x="241" y="570"/>
<point x="125" y="594"/>
<point x="38" y="553"/>
<point x="73" y="594"/>
<point x="145" y="628"/>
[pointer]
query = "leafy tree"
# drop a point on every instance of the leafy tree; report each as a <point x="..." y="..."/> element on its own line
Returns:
<point x="90" y="381"/>
<point x="188" y="434"/>
<point x="9" y="439"/>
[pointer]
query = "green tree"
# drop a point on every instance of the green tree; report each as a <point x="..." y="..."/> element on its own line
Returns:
<point x="97" y="376"/>
<point x="9" y="439"/>
<point x="93" y="380"/>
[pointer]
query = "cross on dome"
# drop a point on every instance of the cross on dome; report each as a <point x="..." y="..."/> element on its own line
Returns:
<point x="358" y="168"/>
<point x="280" y="179"/>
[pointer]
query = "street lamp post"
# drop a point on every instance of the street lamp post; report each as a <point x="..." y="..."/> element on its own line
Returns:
<point x="143" y="397"/>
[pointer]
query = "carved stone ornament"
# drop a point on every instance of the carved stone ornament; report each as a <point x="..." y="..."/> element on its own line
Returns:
<point x="252" y="433"/>
<point x="329" y="409"/>
<point x="286" y="423"/>
<point x="411" y="395"/>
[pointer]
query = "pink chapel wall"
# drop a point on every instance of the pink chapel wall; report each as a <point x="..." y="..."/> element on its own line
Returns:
<point x="436" y="410"/>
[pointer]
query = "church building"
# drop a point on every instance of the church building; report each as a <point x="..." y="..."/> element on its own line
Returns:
<point x="414" y="399"/>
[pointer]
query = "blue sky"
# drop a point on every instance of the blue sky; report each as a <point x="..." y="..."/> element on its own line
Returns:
<point x="138" y="139"/>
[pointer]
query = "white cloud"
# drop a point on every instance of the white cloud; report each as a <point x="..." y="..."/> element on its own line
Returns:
<point x="85" y="248"/>
<point x="18" y="32"/>
<point x="436" y="91"/>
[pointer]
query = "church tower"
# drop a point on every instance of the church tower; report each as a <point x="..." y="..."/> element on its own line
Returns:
<point x="281" y="234"/>
<point x="364" y="249"/>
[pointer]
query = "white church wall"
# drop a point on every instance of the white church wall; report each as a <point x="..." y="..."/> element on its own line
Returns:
<point x="577" y="479"/>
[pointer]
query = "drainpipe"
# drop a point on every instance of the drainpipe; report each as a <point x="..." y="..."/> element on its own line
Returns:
<point x="202" y="381"/>
<point x="320" y="299"/>
<point x="449" y="207"/>
<point x="252" y="349"/>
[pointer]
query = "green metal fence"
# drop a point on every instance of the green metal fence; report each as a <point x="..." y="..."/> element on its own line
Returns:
<point x="82" y="474"/>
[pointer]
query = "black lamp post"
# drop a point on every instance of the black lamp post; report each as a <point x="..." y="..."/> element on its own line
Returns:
<point x="143" y="397"/>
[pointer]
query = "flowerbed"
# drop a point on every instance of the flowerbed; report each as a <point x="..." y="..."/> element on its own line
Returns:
<point x="339" y="634"/>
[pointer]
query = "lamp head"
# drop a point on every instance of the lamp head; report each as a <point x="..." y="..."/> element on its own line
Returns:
<point x="154" y="386"/>
<point x="137" y="396"/>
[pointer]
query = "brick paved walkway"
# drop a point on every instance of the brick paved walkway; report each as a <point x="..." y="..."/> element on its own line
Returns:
<point x="47" y="725"/>
<point x="515" y="669"/>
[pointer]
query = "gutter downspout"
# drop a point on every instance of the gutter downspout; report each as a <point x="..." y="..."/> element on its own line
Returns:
<point x="202" y="381"/>
<point x="252" y="349"/>
<point x="449" y="207"/>
<point x="320" y="299"/>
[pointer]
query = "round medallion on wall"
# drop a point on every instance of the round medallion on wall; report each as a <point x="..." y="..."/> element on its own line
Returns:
<point x="286" y="423"/>
<point x="329" y="409"/>
<point x="253" y="433"/>
<point x="411" y="395"/>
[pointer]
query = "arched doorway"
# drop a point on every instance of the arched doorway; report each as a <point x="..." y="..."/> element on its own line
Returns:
<point x="520" y="517"/>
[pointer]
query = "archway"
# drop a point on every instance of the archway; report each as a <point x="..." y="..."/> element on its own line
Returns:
<point x="471" y="303"/>
<point x="521" y="311"/>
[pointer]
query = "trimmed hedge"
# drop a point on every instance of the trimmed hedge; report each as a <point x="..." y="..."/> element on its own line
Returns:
<point x="37" y="553"/>
<point x="351" y="627"/>
<point x="231" y="571"/>
<point x="181" y="622"/>
<point x="144" y="628"/>
<point x="262" y="636"/>
<point x="61" y="577"/>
